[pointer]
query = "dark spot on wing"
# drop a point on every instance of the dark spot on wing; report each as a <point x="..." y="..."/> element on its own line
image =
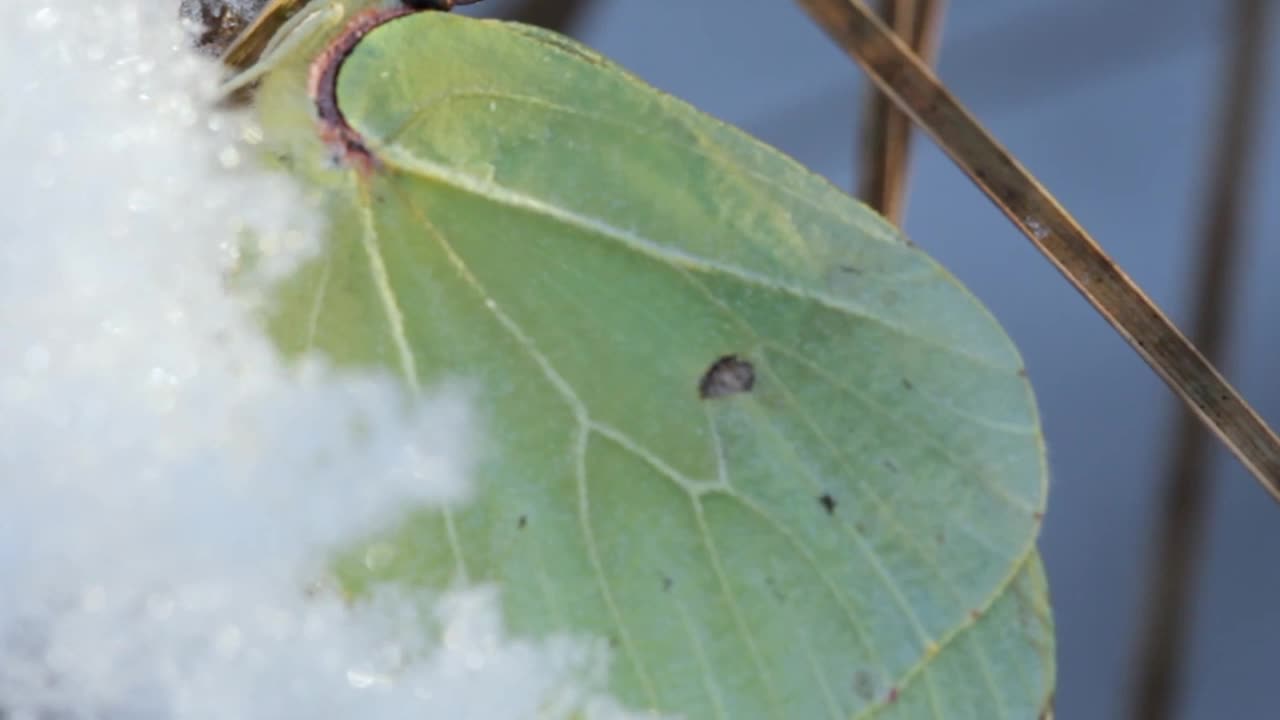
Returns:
<point x="828" y="503"/>
<point x="907" y="384"/>
<point x="522" y="522"/>
<point x="778" y="594"/>
<point x="729" y="375"/>
<point x="667" y="582"/>
<point x="864" y="685"/>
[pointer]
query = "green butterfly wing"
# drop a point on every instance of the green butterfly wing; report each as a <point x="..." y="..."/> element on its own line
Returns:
<point x="736" y="425"/>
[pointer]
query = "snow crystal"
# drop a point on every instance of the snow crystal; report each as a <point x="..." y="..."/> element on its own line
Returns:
<point x="170" y="490"/>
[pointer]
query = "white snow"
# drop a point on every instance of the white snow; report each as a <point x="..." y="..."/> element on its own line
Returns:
<point x="170" y="490"/>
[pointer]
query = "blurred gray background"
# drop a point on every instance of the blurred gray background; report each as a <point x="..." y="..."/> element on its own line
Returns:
<point x="1113" y="104"/>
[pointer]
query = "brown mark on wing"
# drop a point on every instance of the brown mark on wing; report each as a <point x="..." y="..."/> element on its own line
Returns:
<point x="322" y="84"/>
<point x="728" y="375"/>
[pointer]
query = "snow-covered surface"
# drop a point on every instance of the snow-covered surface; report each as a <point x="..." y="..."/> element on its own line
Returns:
<point x="170" y="491"/>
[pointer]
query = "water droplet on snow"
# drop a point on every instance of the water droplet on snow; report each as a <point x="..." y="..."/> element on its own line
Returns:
<point x="229" y="157"/>
<point x="45" y="18"/>
<point x="363" y="678"/>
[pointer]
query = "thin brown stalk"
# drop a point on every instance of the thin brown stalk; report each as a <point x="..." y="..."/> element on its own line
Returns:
<point x="915" y="89"/>
<point x="250" y="43"/>
<point x="253" y="39"/>
<point x="1182" y="528"/>
<point x="885" y="151"/>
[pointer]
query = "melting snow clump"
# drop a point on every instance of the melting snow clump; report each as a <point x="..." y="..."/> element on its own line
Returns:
<point x="171" y="491"/>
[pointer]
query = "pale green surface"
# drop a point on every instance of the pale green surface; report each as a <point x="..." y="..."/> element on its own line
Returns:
<point x="578" y="249"/>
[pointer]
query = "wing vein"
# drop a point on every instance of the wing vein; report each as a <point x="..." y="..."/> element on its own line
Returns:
<point x="405" y="161"/>
<point x="583" y="420"/>
<point x="317" y="305"/>
<point x="395" y="323"/>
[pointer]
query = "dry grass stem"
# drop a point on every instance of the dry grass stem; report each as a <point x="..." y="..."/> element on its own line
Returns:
<point x="914" y="88"/>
